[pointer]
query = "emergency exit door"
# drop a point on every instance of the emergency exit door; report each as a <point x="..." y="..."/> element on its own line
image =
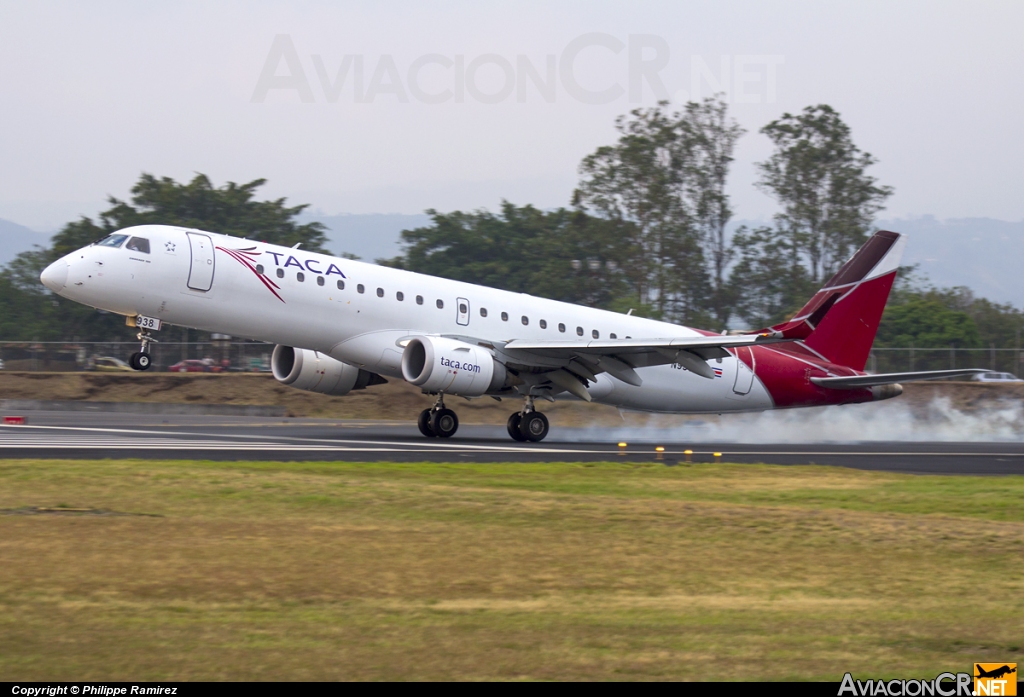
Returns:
<point x="200" y="275"/>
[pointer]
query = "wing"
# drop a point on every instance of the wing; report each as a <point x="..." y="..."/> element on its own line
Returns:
<point x="568" y="364"/>
<point x="634" y="346"/>
<point x="619" y="357"/>
<point x="856" y="381"/>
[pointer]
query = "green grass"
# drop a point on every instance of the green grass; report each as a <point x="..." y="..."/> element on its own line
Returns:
<point x="328" y="571"/>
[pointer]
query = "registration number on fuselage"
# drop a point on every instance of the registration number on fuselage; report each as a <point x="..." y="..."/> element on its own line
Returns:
<point x="148" y="323"/>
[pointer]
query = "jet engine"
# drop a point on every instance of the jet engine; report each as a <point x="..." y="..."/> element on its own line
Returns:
<point x="313" y="371"/>
<point x="436" y="364"/>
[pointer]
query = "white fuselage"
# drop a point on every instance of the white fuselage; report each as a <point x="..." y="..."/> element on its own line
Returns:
<point x="210" y="282"/>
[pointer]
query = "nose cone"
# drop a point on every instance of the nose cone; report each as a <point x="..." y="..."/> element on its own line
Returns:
<point x="55" y="276"/>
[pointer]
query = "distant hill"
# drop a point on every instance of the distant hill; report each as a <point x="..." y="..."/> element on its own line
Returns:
<point x="984" y="254"/>
<point x="370" y="236"/>
<point x="15" y="239"/>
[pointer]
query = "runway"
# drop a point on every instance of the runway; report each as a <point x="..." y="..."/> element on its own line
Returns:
<point x="82" y="435"/>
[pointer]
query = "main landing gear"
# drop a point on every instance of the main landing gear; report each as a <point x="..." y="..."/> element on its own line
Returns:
<point x="528" y="425"/>
<point x="141" y="360"/>
<point x="438" y="422"/>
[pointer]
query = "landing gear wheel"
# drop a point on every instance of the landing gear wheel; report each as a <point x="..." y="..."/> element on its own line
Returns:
<point x="534" y="426"/>
<point x="513" y="427"/>
<point x="140" y="361"/>
<point x="424" y="423"/>
<point x="444" y="423"/>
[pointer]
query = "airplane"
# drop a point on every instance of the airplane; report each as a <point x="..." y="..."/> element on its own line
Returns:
<point x="995" y="673"/>
<point x="340" y="325"/>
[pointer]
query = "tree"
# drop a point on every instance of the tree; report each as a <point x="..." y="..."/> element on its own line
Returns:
<point x="768" y="288"/>
<point x="666" y="175"/>
<point x="230" y="210"/>
<point x="709" y="140"/>
<point x="819" y="178"/>
<point x="636" y="181"/>
<point x="988" y="324"/>
<point x="926" y="322"/>
<point x="563" y="255"/>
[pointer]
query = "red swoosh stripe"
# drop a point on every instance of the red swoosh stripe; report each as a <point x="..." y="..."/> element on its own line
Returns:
<point x="237" y="255"/>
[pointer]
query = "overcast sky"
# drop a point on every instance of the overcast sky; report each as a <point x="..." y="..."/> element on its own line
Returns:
<point x="449" y="113"/>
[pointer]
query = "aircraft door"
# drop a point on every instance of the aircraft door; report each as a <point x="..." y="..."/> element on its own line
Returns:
<point x="463" y="308"/>
<point x="744" y="374"/>
<point x="200" y="275"/>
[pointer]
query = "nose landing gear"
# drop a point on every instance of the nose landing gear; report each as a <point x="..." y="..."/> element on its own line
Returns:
<point x="141" y="360"/>
<point x="528" y="425"/>
<point x="438" y="421"/>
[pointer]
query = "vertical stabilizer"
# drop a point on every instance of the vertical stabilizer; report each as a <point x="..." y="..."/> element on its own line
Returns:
<point x="841" y="320"/>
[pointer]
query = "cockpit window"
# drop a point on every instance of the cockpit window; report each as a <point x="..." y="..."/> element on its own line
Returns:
<point x="138" y="244"/>
<point x="112" y="241"/>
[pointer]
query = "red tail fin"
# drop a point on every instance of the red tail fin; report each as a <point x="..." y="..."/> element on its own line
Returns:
<point x="841" y="320"/>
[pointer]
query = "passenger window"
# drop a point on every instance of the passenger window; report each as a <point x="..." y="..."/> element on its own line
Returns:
<point x="561" y="327"/>
<point x="596" y="334"/>
<point x="612" y="336"/>
<point x="419" y="299"/>
<point x="112" y="241"/>
<point x="259" y="269"/>
<point x="360" y="288"/>
<point x="504" y="317"/>
<point x="380" y="292"/>
<point x="400" y="296"/>
<point x="483" y="311"/>
<point x="341" y="285"/>
<point x="526" y="320"/>
<point x="300" y="277"/>
<point x="138" y="244"/>
<point x="462" y="308"/>
<point x="280" y="273"/>
<point x="579" y="331"/>
<point x="543" y="324"/>
<point x="319" y="280"/>
<point x="440" y="304"/>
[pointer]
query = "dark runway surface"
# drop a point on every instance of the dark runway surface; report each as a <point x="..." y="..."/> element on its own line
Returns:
<point x="109" y="435"/>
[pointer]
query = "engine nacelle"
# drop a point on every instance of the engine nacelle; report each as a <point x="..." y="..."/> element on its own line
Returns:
<point x="454" y="367"/>
<point x="313" y="371"/>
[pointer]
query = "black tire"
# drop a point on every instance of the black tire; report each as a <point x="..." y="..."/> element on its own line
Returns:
<point x="424" y="423"/>
<point x="143" y="361"/>
<point x="534" y="427"/>
<point x="444" y="423"/>
<point x="513" y="427"/>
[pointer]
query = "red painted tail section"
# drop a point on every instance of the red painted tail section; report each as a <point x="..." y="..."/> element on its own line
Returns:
<point x="841" y="320"/>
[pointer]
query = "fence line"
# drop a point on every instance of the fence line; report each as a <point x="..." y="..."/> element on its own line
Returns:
<point x="255" y="356"/>
<point x="67" y="356"/>
<point x="890" y="360"/>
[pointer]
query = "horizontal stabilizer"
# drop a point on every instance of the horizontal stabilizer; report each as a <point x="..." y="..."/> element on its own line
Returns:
<point x="856" y="381"/>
